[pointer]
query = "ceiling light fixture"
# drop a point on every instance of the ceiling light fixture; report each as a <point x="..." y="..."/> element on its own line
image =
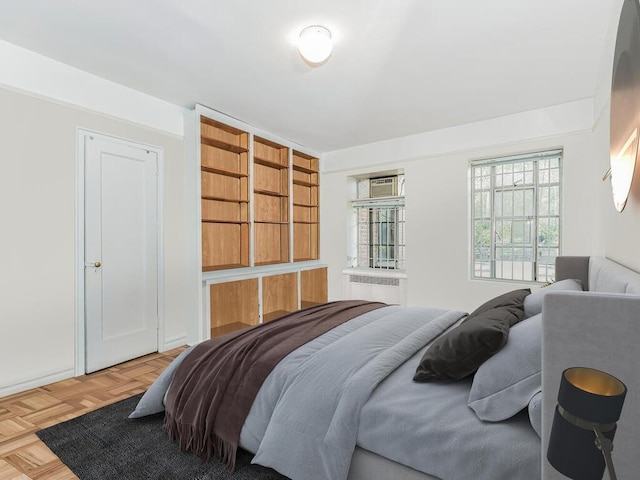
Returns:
<point x="315" y="44"/>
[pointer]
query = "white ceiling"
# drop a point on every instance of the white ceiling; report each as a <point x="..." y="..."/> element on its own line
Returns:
<point x="398" y="67"/>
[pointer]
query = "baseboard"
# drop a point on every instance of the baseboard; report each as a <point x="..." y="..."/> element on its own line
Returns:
<point x="39" y="381"/>
<point x="175" y="342"/>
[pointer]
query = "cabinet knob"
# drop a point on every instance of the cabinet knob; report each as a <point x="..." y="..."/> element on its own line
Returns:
<point x="97" y="264"/>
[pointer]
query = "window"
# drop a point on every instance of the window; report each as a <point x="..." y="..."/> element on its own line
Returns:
<point x="379" y="223"/>
<point x="516" y="216"/>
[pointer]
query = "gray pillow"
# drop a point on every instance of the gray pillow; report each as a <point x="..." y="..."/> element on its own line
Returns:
<point x="535" y="412"/>
<point x="153" y="399"/>
<point x="504" y="384"/>
<point x="533" y="303"/>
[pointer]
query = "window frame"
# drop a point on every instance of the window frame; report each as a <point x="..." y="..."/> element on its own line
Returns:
<point x="362" y="205"/>
<point x="534" y="218"/>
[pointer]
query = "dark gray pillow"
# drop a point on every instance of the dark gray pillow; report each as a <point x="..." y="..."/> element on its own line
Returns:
<point x="533" y="303"/>
<point x="460" y="352"/>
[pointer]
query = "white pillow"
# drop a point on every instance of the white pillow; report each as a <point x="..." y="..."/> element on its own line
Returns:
<point x="533" y="302"/>
<point x="504" y="384"/>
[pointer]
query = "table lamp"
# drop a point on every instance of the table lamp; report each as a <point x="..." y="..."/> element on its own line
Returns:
<point x="589" y="405"/>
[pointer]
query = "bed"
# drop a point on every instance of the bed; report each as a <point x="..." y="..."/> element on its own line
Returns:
<point x="597" y="328"/>
<point x="344" y="405"/>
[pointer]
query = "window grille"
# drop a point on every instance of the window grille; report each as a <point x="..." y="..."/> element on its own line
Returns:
<point x="380" y="230"/>
<point x="516" y="216"/>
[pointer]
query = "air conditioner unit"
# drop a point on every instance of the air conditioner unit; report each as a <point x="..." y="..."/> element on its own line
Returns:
<point x="383" y="187"/>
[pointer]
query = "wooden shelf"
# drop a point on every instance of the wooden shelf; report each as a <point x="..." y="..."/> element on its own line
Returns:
<point x="215" y="268"/>
<point x="268" y="163"/>
<point x="305" y="183"/>
<point x="267" y="317"/>
<point x="270" y="193"/>
<point x="223" y="186"/>
<point x="223" y="159"/>
<point x="229" y="328"/>
<point x="223" y="145"/>
<point x="233" y="305"/>
<point x="271" y="244"/>
<point x="233" y="222"/>
<point x="304" y="163"/>
<point x="222" y="136"/>
<point x="274" y="262"/>
<point x="225" y="211"/>
<point x="300" y="168"/>
<point x="279" y="295"/>
<point x="271" y="209"/>
<point x="228" y="173"/>
<point x="270" y="153"/>
<point x="223" y="199"/>
<point x="313" y="287"/>
<point x="225" y="245"/>
<point x="305" y="241"/>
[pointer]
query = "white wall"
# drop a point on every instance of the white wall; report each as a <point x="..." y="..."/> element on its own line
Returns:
<point x="437" y="197"/>
<point x="37" y="244"/>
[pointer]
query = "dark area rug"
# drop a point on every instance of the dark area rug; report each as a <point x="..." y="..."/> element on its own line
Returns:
<point x="105" y="444"/>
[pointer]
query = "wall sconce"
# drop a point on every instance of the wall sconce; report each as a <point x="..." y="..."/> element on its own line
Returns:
<point x="315" y="44"/>
<point x="589" y="405"/>
<point x="625" y="104"/>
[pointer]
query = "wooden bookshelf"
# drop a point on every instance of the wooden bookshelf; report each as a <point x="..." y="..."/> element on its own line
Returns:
<point x="270" y="202"/>
<point x="313" y="287"/>
<point x="279" y="295"/>
<point x="234" y="306"/>
<point x="224" y="173"/>
<point x="306" y="215"/>
<point x="259" y="206"/>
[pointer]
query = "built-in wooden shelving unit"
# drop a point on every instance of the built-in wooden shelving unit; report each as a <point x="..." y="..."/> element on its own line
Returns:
<point x="224" y="173"/>
<point x="271" y="202"/>
<point x="306" y="218"/>
<point x="259" y="215"/>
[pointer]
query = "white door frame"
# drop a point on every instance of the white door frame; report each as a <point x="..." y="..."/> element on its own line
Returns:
<point x="80" y="330"/>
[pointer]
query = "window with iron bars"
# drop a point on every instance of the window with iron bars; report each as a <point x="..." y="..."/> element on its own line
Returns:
<point x="380" y="228"/>
<point x="516" y="223"/>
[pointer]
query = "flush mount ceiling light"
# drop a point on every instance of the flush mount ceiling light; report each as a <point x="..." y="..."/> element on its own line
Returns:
<point x="315" y="44"/>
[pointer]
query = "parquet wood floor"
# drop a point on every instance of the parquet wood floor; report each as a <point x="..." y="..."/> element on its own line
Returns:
<point x="22" y="455"/>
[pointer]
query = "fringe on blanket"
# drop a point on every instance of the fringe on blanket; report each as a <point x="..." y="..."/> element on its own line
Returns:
<point x="205" y="446"/>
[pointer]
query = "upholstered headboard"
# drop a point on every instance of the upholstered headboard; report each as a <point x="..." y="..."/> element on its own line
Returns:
<point x="599" y="328"/>
<point x="598" y="274"/>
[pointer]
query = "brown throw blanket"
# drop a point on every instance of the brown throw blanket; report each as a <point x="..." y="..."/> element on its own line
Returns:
<point x="214" y="387"/>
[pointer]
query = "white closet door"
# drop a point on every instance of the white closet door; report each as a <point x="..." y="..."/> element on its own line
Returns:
<point x="121" y="252"/>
